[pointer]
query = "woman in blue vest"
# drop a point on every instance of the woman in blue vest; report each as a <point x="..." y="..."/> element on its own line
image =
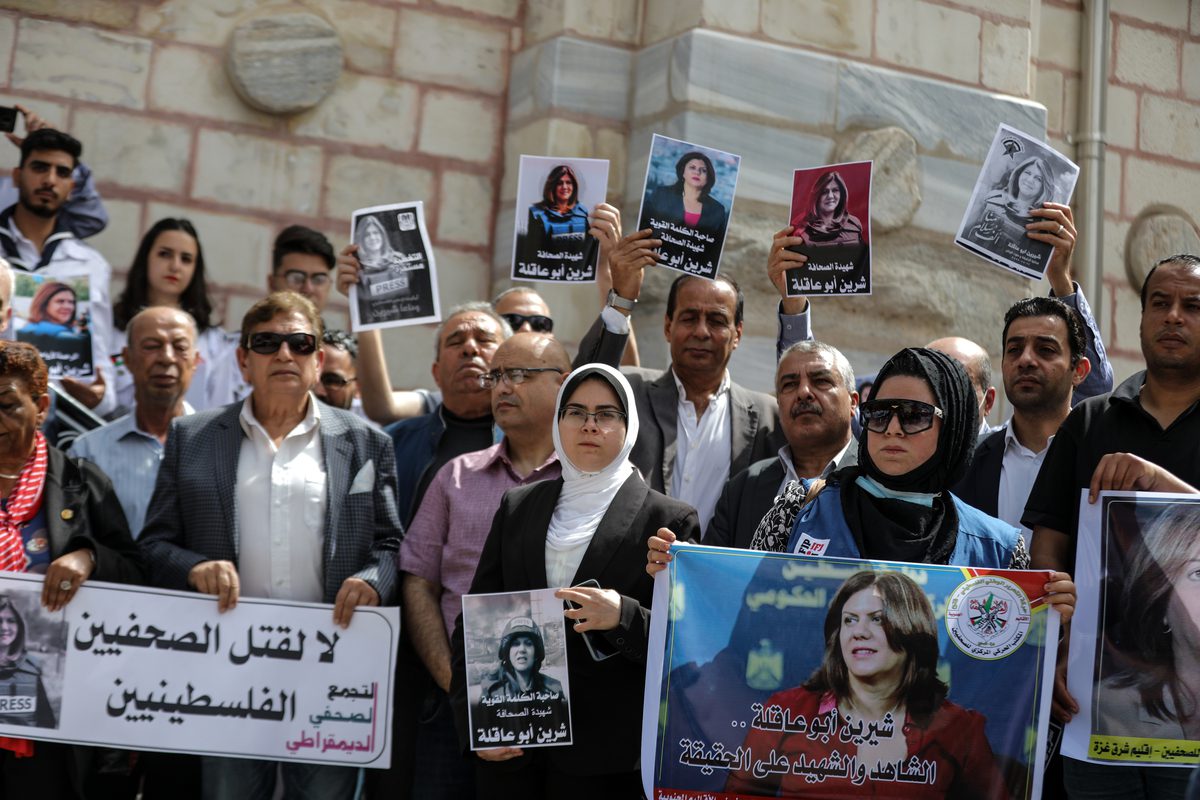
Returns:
<point x="23" y="698"/>
<point x="895" y="505"/>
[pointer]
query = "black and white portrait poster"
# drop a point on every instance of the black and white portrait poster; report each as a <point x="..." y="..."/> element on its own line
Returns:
<point x="686" y="201"/>
<point x="831" y="211"/>
<point x="398" y="283"/>
<point x="1019" y="174"/>
<point x="1134" y="664"/>
<point x="517" y="689"/>
<point x="554" y="198"/>
<point x="53" y="315"/>
<point x="33" y="648"/>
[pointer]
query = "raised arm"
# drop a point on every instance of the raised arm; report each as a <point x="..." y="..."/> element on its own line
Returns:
<point x="795" y="324"/>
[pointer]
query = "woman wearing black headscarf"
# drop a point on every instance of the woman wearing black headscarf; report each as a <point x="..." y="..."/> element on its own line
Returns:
<point x="895" y="505"/>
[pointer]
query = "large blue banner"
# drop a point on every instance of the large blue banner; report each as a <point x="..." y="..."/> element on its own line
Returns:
<point x="782" y="675"/>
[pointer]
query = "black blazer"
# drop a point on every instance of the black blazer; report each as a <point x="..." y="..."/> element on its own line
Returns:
<point x="82" y="511"/>
<point x="665" y="204"/>
<point x="749" y="495"/>
<point x="753" y="416"/>
<point x="606" y="696"/>
<point x="980" y="487"/>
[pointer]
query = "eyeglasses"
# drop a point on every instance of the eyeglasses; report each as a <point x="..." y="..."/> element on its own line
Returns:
<point x="514" y="375"/>
<point x="331" y="380"/>
<point x="607" y="419"/>
<point x="914" y="415"/>
<point x="267" y="343"/>
<point x="537" y="322"/>
<point x="295" y="279"/>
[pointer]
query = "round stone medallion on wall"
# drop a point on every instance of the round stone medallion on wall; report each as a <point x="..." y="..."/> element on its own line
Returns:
<point x="284" y="62"/>
<point x="1158" y="232"/>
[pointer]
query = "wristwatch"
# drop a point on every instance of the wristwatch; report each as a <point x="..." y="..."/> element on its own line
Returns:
<point x="616" y="301"/>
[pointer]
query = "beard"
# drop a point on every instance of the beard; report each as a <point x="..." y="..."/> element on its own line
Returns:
<point x="40" y="209"/>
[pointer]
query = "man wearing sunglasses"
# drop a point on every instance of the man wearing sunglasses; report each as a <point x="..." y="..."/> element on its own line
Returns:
<point x="302" y="261"/>
<point x="252" y="498"/>
<point x="441" y="550"/>
<point x="337" y="385"/>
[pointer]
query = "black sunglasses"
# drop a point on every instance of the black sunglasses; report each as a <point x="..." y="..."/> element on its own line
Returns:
<point x="537" y="322"/>
<point x="914" y="416"/>
<point x="267" y="343"/>
<point x="331" y="380"/>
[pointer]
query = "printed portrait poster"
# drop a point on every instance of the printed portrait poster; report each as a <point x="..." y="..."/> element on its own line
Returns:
<point x="1134" y="653"/>
<point x="517" y="689"/>
<point x="398" y="283"/>
<point x="743" y="697"/>
<point x="555" y="196"/>
<point x="52" y="314"/>
<point x="687" y="201"/>
<point x="1020" y="173"/>
<point x="831" y="211"/>
<point x="149" y="669"/>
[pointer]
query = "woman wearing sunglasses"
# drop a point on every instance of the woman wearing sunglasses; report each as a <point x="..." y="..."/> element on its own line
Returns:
<point x="895" y="505"/>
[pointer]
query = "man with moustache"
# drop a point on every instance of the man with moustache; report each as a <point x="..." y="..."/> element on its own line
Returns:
<point x="1135" y="438"/>
<point x="35" y="239"/>
<point x="439" y="555"/>
<point x="698" y="427"/>
<point x="814" y="385"/>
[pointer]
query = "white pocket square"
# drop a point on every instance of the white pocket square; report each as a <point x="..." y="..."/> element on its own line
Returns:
<point x="364" y="481"/>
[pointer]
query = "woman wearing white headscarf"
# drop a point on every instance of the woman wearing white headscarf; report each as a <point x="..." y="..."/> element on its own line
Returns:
<point x="591" y="524"/>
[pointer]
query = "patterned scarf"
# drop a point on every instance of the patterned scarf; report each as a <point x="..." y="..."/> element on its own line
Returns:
<point x="775" y="528"/>
<point x="23" y="504"/>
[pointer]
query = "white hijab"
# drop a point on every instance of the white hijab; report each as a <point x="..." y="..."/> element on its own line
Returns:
<point x="586" y="496"/>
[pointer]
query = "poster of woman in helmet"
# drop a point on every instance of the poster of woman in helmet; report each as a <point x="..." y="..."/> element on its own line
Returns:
<point x="517" y="669"/>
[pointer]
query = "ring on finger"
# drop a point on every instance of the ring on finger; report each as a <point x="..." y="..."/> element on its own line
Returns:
<point x="1061" y="228"/>
<point x="65" y="585"/>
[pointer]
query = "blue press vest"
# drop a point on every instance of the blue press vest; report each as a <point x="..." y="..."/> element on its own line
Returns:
<point x="982" y="541"/>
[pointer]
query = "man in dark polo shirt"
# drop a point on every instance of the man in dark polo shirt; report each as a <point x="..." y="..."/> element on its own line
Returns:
<point x="1125" y="439"/>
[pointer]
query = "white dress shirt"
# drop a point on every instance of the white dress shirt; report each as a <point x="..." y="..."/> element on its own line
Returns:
<point x="281" y="509"/>
<point x="703" y="451"/>
<point x="1018" y="470"/>
<point x="789" y="469"/>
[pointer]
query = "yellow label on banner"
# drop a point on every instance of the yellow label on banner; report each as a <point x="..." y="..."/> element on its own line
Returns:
<point x="1133" y="748"/>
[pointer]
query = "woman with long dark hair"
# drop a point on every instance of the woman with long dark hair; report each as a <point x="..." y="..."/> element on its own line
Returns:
<point x="879" y="673"/>
<point x="826" y="221"/>
<point x="52" y="311"/>
<point x="168" y="270"/>
<point x="688" y="201"/>
<point x="559" y="214"/>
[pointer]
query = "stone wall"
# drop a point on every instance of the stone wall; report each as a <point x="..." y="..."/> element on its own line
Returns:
<point x="436" y="99"/>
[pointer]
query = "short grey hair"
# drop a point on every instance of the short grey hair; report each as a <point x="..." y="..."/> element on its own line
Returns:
<point x="477" y="307"/>
<point x="840" y="362"/>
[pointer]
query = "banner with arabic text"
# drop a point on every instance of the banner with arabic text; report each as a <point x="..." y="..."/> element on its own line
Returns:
<point x="784" y="675"/>
<point x="150" y="669"/>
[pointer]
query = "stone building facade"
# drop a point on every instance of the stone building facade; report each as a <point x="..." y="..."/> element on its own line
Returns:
<point x="182" y="111"/>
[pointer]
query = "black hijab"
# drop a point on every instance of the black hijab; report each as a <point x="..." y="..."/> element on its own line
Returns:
<point x="899" y="530"/>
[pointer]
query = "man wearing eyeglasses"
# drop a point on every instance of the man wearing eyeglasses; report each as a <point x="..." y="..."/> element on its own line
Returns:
<point x="439" y="555"/>
<point x="276" y="496"/>
<point x="302" y="261"/>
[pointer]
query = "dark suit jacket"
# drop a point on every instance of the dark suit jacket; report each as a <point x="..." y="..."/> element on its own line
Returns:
<point x="193" y="514"/>
<point x="749" y="495"/>
<point x="82" y="511"/>
<point x="754" y="416"/>
<point x="980" y="487"/>
<point x="606" y="696"/>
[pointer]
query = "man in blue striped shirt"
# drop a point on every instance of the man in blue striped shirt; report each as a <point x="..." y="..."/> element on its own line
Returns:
<point x="161" y="356"/>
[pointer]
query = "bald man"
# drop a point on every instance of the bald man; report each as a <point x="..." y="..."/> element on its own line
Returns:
<point x="439" y="555"/>
<point x="979" y="368"/>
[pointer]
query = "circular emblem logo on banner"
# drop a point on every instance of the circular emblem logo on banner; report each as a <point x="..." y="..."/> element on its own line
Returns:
<point x="988" y="617"/>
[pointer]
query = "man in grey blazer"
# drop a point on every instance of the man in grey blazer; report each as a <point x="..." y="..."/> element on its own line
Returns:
<point x="698" y="427"/>
<point x="817" y="400"/>
<point x="277" y="496"/>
